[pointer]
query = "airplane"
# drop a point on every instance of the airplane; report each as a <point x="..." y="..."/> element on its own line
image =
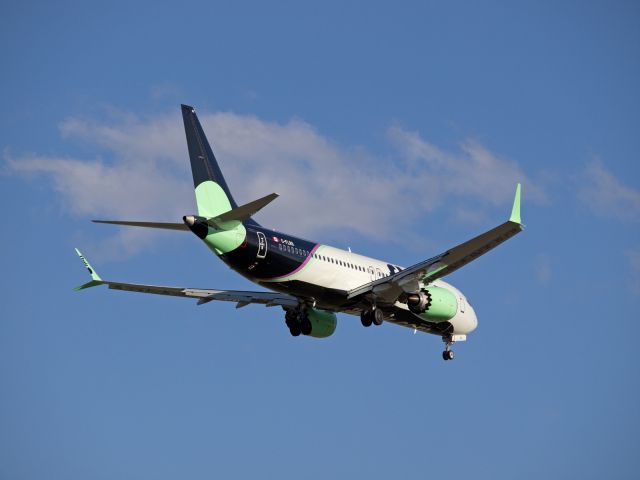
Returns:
<point x="312" y="282"/>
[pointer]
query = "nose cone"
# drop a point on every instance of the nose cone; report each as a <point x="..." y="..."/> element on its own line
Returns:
<point x="189" y="220"/>
<point x="466" y="322"/>
<point x="473" y="320"/>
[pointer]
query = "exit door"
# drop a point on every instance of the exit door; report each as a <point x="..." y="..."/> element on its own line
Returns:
<point x="372" y="273"/>
<point x="262" y="245"/>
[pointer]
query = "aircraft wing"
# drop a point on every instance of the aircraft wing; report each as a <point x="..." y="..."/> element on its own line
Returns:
<point x="390" y="288"/>
<point x="241" y="298"/>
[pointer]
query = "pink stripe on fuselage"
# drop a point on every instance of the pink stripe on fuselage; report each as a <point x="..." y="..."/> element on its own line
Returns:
<point x="302" y="265"/>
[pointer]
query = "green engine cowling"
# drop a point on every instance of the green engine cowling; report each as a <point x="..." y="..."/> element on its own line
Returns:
<point x="433" y="303"/>
<point x="323" y="323"/>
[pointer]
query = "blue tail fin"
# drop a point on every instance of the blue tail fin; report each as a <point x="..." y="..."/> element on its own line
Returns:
<point x="212" y="192"/>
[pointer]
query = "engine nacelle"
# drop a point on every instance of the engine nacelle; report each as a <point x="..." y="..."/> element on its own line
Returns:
<point x="433" y="303"/>
<point x="323" y="323"/>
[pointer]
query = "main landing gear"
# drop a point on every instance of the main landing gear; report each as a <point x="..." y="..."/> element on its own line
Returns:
<point x="373" y="316"/>
<point x="298" y="323"/>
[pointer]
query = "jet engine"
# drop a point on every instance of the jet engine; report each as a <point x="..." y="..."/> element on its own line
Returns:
<point x="434" y="303"/>
<point x="323" y="323"/>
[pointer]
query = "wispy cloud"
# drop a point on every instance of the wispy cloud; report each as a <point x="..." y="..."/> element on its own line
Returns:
<point x="472" y="171"/>
<point x="606" y="195"/>
<point x="323" y="185"/>
<point x="542" y="268"/>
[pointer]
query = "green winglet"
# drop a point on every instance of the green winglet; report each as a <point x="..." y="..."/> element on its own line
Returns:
<point x="515" y="211"/>
<point x="95" y="278"/>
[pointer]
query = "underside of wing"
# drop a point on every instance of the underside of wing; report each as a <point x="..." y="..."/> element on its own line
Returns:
<point x="241" y="298"/>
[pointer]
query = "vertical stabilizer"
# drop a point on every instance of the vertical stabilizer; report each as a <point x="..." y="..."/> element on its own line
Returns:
<point x="213" y="196"/>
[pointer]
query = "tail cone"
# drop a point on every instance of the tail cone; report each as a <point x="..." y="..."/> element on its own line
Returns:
<point x="196" y="225"/>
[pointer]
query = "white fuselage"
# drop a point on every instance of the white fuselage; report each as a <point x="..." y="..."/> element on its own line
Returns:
<point x="338" y="269"/>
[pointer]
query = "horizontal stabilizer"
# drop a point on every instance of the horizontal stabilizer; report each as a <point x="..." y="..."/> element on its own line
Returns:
<point x="166" y="226"/>
<point x="243" y="212"/>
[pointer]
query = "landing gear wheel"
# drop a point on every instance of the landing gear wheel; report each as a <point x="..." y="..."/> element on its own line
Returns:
<point x="305" y="325"/>
<point x="366" y="318"/>
<point x="448" y="355"/>
<point x="295" y="330"/>
<point x="377" y="317"/>
<point x="293" y="324"/>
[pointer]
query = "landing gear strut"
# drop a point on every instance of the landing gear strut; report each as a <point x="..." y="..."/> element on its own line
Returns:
<point x="369" y="317"/>
<point x="448" y="353"/>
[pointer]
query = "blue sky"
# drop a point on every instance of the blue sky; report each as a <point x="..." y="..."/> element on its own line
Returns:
<point x="397" y="129"/>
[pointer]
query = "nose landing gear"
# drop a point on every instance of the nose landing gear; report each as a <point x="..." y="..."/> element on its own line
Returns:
<point x="448" y="355"/>
<point x="449" y="340"/>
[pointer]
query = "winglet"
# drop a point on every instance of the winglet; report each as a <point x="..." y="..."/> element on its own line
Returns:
<point x="515" y="211"/>
<point x="95" y="278"/>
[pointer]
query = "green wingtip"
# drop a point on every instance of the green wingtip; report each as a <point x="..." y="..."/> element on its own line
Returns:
<point x="95" y="278"/>
<point x="515" y="211"/>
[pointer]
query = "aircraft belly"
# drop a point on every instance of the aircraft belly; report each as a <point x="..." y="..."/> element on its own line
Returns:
<point x="403" y="317"/>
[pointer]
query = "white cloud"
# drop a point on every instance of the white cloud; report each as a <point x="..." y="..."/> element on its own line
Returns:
<point x="323" y="185"/>
<point x="473" y="172"/>
<point x="606" y="195"/>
